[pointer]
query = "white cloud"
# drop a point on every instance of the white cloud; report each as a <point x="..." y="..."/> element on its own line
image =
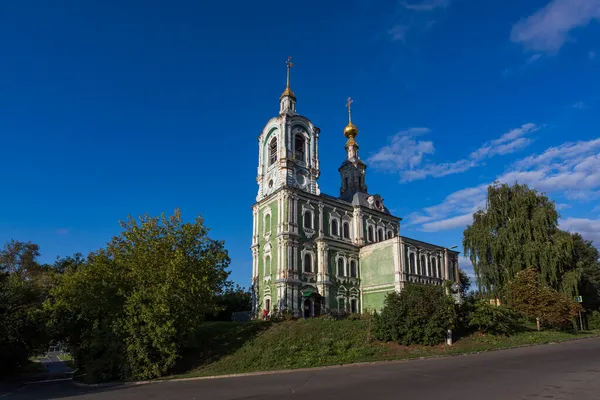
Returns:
<point x="449" y="223"/>
<point x="426" y="5"/>
<point x="580" y="105"/>
<point x="406" y="155"/>
<point x="398" y="32"/>
<point x="571" y="169"/>
<point x="588" y="228"/>
<point x="548" y="29"/>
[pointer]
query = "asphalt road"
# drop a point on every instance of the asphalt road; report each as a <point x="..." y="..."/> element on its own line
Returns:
<point x="569" y="370"/>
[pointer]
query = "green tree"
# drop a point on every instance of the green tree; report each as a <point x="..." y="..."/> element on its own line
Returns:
<point x="517" y="230"/>
<point x="419" y="314"/>
<point x="586" y="260"/>
<point x="465" y="282"/>
<point x="134" y="305"/>
<point x="232" y="299"/>
<point x="24" y="286"/>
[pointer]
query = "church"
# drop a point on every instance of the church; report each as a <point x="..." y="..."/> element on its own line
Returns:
<point x="314" y="253"/>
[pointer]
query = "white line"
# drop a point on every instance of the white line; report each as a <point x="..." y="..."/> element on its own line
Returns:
<point x="8" y="394"/>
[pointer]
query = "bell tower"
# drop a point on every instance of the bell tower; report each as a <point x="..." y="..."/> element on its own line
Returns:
<point x="288" y="149"/>
<point x="353" y="169"/>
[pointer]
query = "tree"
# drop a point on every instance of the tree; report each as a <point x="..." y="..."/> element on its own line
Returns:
<point x="517" y="230"/>
<point x="232" y="299"/>
<point x="586" y="260"/>
<point x="24" y="286"/>
<point x="532" y="297"/>
<point x="465" y="282"/>
<point x="134" y="305"/>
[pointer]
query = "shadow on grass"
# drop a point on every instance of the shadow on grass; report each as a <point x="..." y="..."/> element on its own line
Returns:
<point x="215" y="340"/>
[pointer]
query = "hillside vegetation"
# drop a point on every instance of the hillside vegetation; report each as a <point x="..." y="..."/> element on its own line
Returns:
<point x="260" y="346"/>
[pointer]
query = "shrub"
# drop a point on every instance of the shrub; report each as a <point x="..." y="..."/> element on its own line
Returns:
<point x="497" y="320"/>
<point x="419" y="314"/>
<point x="594" y="320"/>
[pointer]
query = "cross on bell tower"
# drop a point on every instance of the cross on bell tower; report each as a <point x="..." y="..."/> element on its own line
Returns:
<point x="353" y="168"/>
<point x="287" y="101"/>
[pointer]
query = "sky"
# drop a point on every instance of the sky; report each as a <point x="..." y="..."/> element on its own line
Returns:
<point x="117" y="108"/>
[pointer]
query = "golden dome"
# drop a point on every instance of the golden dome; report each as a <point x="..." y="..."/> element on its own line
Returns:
<point x="351" y="130"/>
<point x="288" y="92"/>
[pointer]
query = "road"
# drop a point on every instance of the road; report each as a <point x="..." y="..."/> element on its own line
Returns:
<point x="569" y="370"/>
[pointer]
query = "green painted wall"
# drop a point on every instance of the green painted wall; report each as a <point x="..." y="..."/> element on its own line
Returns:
<point x="377" y="264"/>
<point x="374" y="301"/>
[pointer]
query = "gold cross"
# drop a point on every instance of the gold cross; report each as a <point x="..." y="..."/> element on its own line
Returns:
<point x="349" y="103"/>
<point x="289" y="62"/>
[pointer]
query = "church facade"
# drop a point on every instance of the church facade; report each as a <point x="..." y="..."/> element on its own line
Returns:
<point x="313" y="253"/>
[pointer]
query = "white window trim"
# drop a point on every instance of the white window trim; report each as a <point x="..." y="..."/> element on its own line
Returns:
<point x="334" y="216"/>
<point x="344" y="260"/>
<point x="413" y="253"/>
<point x="350" y="261"/>
<point x="307" y="207"/>
<point x="266" y="213"/>
<point x="342" y="293"/>
<point x="371" y="225"/>
<point x="268" y="275"/>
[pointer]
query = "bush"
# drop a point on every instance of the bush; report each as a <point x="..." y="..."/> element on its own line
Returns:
<point x="419" y="314"/>
<point x="594" y="320"/>
<point x="497" y="320"/>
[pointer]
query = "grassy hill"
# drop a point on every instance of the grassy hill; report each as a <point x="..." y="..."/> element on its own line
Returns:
<point x="228" y="347"/>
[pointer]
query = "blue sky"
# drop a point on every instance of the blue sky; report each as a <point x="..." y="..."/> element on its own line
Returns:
<point x="112" y="108"/>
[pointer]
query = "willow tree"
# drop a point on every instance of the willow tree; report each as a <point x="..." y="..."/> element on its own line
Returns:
<point x="518" y="229"/>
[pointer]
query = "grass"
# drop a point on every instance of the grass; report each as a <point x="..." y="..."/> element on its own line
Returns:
<point x="238" y="348"/>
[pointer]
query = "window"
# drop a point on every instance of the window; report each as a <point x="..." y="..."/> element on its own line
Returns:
<point x="380" y="236"/>
<point x="353" y="306"/>
<point x="353" y="269"/>
<point x="341" y="305"/>
<point x="299" y="146"/>
<point x="268" y="304"/>
<point x="423" y="265"/>
<point x="412" y="263"/>
<point x="273" y="151"/>
<point x="433" y="269"/>
<point x="334" y="227"/>
<point x="268" y="223"/>
<point x="308" y="219"/>
<point x="370" y="234"/>
<point x="268" y="265"/>
<point x="389" y="235"/>
<point x="307" y="263"/>
<point x="340" y="267"/>
<point x="346" y="230"/>
<point x="439" y="270"/>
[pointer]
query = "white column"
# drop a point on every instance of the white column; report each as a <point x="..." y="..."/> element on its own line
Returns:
<point x="321" y="207"/>
<point x="446" y="270"/>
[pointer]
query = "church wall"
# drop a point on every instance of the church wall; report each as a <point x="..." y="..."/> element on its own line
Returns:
<point x="379" y="265"/>
<point x="266" y="280"/>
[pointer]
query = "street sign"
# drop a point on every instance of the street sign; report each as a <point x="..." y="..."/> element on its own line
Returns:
<point x="579" y="299"/>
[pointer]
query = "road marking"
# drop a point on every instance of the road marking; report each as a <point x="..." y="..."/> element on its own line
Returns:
<point x="8" y="394"/>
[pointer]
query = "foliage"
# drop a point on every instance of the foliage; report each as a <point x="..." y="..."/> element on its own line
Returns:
<point x="465" y="282"/>
<point x="232" y="299"/>
<point x="586" y="260"/>
<point x="496" y="320"/>
<point x="129" y="310"/>
<point x="529" y="295"/>
<point x="594" y="320"/>
<point x="24" y="286"/>
<point x="419" y="314"/>
<point x="517" y="230"/>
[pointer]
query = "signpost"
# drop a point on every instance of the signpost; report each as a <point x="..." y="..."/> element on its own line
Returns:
<point x="579" y="299"/>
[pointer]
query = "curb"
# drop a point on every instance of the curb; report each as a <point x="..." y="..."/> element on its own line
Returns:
<point x="287" y="371"/>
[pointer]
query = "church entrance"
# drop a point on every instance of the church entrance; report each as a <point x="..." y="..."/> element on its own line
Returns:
<point x="311" y="305"/>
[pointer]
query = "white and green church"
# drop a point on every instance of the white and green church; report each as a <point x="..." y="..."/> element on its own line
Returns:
<point x="313" y="253"/>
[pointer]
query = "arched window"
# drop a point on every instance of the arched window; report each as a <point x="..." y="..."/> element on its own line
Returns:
<point x="346" y="230"/>
<point x="307" y="263"/>
<point x="353" y="269"/>
<point x="370" y="234"/>
<point x="334" y="227"/>
<point x="439" y="270"/>
<point x="380" y="236"/>
<point x="308" y="219"/>
<point x="268" y="265"/>
<point x="268" y="223"/>
<point x="300" y="147"/>
<point x="389" y="235"/>
<point x="340" y="267"/>
<point x="423" y="265"/>
<point x="412" y="263"/>
<point x="273" y="151"/>
<point x="433" y="269"/>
